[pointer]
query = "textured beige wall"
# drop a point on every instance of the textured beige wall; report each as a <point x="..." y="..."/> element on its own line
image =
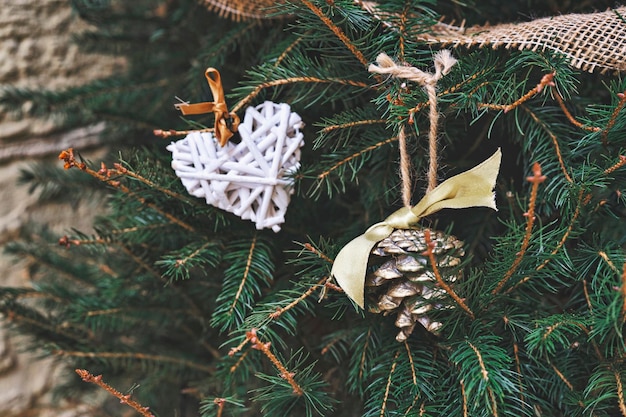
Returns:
<point x="36" y="51"/>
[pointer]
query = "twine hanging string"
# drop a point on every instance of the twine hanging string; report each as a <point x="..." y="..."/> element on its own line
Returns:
<point x="405" y="168"/>
<point x="444" y="61"/>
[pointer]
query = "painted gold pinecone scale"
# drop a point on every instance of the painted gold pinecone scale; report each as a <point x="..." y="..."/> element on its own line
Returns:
<point x="402" y="281"/>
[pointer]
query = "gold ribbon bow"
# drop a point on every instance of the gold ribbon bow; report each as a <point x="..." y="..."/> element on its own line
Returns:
<point x="473" y="188"/>
<point x="226" y="123"/>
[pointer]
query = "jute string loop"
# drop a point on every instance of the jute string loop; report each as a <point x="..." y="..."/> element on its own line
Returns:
<point x="226" y="123"/>
<point x="444" y="61"/>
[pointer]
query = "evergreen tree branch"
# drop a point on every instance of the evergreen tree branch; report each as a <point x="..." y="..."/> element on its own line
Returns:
<point x="293" y="80"/>
<point x="518" y="370"/>
<point x="535" y="180"/>
<point x="623" y="292"/>
<point x="265" y="348"/>
<point x="410" y="356"/>
<point x="616" y="166"/>
<point x="234" y="367"/>
<point x="553" y="137"/>
<point x="280" y="310"/>
<point x="355" y="155"/>
<point x="338" y="32"/>
<point x="440" y="281"/>
<point x="464" y="396"/>
<point x="171" y="132"/>
<point x="412" y="111"/>
<point x="546" y="81"/>
<point x="316" y="251"/>
<point x="562" y="378"/>
<point x="59" y="329"/>
<point x="388" y="386"/>
<point x="613" y="118"/>
<point x="620" y="387"/>
<point x="242" y="279"/>
<point x="124" y="399"/>
<point x="570" y="117"/>
<point x="70" y="162"/>
<point x="288" y="50"/>
<point x="587" y="299"/>
<point x="581" y="202"/>
<point x="349" y="125"/>
<point x="120" y="170"/>
<point x="608" y="261"/>
<point x="135" y="355"/>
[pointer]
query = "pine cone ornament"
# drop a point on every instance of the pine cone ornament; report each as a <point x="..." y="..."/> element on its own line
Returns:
<point x="403" y="282"/>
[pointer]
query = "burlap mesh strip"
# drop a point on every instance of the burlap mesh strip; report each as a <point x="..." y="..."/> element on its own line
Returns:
<point x="593" y="41"/>
<point x="239" y="10"/>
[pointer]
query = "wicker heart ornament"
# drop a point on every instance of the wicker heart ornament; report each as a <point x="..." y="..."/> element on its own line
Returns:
<point x="251" y="178"/>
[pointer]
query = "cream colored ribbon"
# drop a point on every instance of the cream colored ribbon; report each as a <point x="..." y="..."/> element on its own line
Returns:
<point x="473" y="188"/>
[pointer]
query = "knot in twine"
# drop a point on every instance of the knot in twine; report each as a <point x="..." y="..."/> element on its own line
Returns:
<point x="443" y="60"/>
<point x="226" y="123"/>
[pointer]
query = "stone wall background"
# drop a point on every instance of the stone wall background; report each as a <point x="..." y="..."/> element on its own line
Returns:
<point x="36" y="51"/>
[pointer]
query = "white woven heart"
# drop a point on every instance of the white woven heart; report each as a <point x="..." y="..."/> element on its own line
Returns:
<point x="247" y="179"/>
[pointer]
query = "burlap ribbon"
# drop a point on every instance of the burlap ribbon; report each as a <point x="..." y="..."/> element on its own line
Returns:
<point x="226" y="123"/>
<point x="473" y="188"/>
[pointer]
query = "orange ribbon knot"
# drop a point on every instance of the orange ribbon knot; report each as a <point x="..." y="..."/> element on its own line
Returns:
<point x="226" y="123"/>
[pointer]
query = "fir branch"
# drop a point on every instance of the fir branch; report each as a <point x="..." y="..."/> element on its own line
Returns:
<point x="448" y="91"/>
<point x="587" y="299"/>
<point x="280" y="310"/>
<point x="581" y="202"/>
<point x="70" y="162"/>
<point x="623" y="293"/>
<point x="388" y="386"/>
<point x="234" y="367"/>
<point x="338" y="32"/>
<point x="364" y="354"/>
<point x="287" y="50"/>
<point x="440" y="281"/>
<point x="561" y="376"/>
<point x="355" y="155"/>
<point x="316" y="251"/>
<point x="124" y="399"/>
<point x="265" y="348"/>
<point x="608" y="261"/>
<point x="39" y="323"/>
<point x="408" y="351"/>
<point x="120" y="170"/>
<point x="408" y="410"/>
<point x="620" y="388"/>
<point x="518" y="369"/>
<point x="616" y="166"/>
<point x="243" y="280"/>
<point x="613" y="118"/>
<point x="464" y="396"/>
<point x="245" y="276"/>
<point x="349" y="125"/>
<point x="137" y="356"/>
<point x="559" y="99"/>
<point x="293" y="80"/>
<point x="555" y="142"/>
<point x="535" y="180"/>
<point x="483" y="370"/>
<point x="171" y="132"/>
<point x="546" y="81"/>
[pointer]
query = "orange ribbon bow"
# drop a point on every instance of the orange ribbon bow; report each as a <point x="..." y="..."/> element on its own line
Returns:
<point x="226" y="123"/>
